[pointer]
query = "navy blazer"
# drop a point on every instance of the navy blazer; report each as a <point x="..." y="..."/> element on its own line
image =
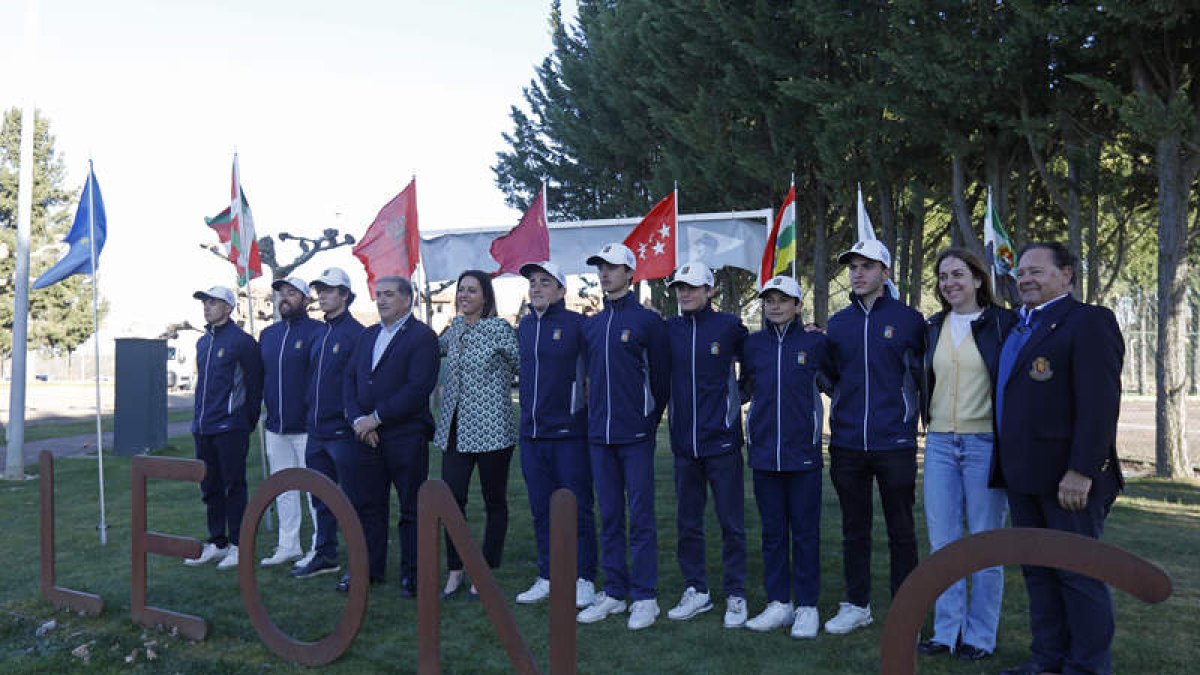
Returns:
<point x="399" y="386"/>
<point x="1061" y="403"/>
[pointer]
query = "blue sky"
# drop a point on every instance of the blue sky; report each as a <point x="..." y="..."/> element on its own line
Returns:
<point x="332" y="107"/>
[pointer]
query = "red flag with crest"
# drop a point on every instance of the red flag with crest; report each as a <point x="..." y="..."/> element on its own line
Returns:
<point x="528" y="242"/>
<point x="391" y="246"/>
<point x="653" y="241"/>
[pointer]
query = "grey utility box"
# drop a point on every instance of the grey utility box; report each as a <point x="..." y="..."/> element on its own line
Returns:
<point x="141" y="396"/>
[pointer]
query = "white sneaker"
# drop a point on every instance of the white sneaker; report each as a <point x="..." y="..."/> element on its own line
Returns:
<point x="281" y="556"/>
<point x="849" y="618"/>
<point x="692" y="603"/>
<point x="807" y="623"/>
<point x="210" y="553"/>
<point x="776" y="615"/>
<point x="735" y="611"/>
<point x="642" y="613"/>
<point x="303" y="562"/>
<point x="585" y="593"/>
<point x="230" y="561"/>
<point x="602" y="606"/>
<point x="538" y="592"/>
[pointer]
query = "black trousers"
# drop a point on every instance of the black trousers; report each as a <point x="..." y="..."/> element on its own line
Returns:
<point x="895" y="471"/>
<point x="493" y="481"/>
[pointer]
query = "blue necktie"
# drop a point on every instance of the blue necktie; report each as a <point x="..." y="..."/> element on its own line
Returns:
<point x="1008" y="358"/>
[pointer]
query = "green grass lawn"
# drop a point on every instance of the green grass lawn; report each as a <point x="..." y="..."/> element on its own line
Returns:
<point x="1158" y="520"/>
<point x="39" y="431"/>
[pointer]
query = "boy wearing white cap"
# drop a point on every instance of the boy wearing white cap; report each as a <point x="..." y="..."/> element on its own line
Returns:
<point x="228" y="399"/>
<point x="628" y="385"/>
<point x="878" y="347"/>
<point x="285" y="347"/>
<point x="706" y="439"/>
<point x="554" y="448"/>
<point x="782" y="369"/>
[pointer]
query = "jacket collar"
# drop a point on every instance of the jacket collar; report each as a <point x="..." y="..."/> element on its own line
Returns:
<point x="620" y="303"/>
<point x="703" y="311"/>
<point x="552" y="309"/>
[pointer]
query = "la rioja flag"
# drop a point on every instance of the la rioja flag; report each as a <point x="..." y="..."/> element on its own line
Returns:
<point x="391" y="246"/>
<point x="653" y="241"/>
<point x="528" y="242"/>
<point x="780" y="251"/>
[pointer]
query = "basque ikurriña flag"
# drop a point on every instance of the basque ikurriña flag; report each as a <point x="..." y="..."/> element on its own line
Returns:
<point x="90" y="227"/>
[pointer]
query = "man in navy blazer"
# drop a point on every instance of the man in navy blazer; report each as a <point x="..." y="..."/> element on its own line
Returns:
<point x="391" y="375"/>
<point x="1058" y="394"/>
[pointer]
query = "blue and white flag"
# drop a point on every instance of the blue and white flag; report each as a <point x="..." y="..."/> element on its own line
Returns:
<point x="90" y="224"/>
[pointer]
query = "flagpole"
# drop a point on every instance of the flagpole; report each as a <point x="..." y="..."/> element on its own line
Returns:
<point x="90" y="187"/>
<point x="677" y="237"/>
<point x="988" y="224"/>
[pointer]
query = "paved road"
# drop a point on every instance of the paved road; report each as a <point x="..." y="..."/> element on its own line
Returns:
<point x="72" y="446"/>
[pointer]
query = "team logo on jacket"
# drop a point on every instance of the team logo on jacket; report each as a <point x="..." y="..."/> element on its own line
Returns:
<point x="715" y="349"/>
<point x="557" y="335"/>
<point x="625" y="335"/>
<point x="802" y="358"/>
<point x="1040" y="370"/>
<point x="221" y="353"/>
<point x="299" y="344"/>
<point x="336" y="347"/>
<point x="889" y="332"/>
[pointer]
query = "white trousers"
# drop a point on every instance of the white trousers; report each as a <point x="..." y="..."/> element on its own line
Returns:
<point x="285" y="451"/>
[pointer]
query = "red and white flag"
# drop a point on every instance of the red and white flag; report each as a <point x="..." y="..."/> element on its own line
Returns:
<point x="235" y="229"/>
<point x="391" y="246"/>
<point x="653" y="241"/>
<point x="528" y="242"/>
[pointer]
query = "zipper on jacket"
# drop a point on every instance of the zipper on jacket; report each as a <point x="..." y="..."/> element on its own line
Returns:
<point x="608" y="379"/>
<point x="320" y="365"/>
<point x="866" y="373"/>
<point x="537" y="338"/>
<point x="779" y="396"/>
<point x="287" y="330"/>
<point x="212" y="337"/>
<point x="695" y="442"/>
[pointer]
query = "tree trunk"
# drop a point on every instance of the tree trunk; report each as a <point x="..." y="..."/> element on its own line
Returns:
<point x="1020" y="222"/>
<point x="917" y="259"/>
<point x="1074" y="218"/>
<point x="820" y="279"/>
<point x="887" y="216"/>
<point x="962" y="215"/>
<point x="1142" y="338"/>
<point x="1170" y="442"/>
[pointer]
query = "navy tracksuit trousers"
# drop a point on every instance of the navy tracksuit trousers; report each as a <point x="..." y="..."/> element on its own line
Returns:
<point x="621" y="472"/>
<point x="693" y="476"/>
<point x="223" y="487"/>
<point x="550" y="464"/>
<point x="322" y="455"/>
<point x="789" y="505"/>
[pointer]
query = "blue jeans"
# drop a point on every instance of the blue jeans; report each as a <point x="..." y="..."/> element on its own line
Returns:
<point x="956" y="484"/>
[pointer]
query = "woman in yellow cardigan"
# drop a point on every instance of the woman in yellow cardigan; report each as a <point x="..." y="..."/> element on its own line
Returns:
<point x="963" y="351"/>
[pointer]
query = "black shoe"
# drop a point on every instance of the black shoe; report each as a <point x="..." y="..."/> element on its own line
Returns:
<point x="968" y="652"/>
<point x="343" y="586"/>
<point x="1029" y="668"/>
<point x="408" y="588"/>
<point x="318" y="565"/>
<point x="931" y="648"/>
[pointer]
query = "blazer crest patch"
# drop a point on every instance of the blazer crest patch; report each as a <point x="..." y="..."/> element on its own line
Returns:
<point x="802" y="358"/>
<point x="1040" y="370"/>
<point x="715" y="349"/>
<point x="889" y="332"/>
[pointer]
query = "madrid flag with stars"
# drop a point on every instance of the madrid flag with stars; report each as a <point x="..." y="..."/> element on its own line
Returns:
<point x="653" y="241"/>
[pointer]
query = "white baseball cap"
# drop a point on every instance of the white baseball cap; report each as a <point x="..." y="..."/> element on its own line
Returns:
<point x="546" y="266"/>
<point x="295" y="282"/>
<point x="784" y="284"/>
<point x="693" y="274"/>
<point x="217" y="293"/>
<point x="332" y="277"/>
<point x="871" y="249"/>
<point x="614" y="254"/>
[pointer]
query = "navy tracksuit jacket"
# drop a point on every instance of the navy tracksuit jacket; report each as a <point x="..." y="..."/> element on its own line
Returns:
<point x="286" y="353"/>
<point x="331" y="352"/>
<point x="229" y="381"/>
